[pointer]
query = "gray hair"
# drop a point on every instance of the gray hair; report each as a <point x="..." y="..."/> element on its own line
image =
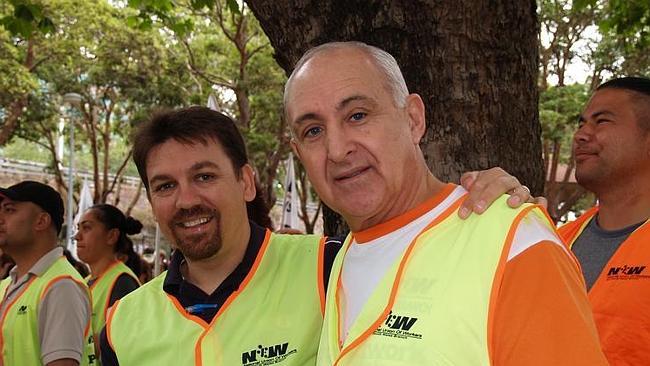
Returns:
<point x="385" y="62"/>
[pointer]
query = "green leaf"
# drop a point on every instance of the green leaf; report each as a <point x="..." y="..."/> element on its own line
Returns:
<point x="583" y="4"/>
<point x="233" y="6"/>
<point x="200" y="4"/>
<point x="181" y="28"/>
<point x="46" y="26"/>
<point x="23" y="12"/>
<point x="17" y="26"/>
<point x="132" y="21"/>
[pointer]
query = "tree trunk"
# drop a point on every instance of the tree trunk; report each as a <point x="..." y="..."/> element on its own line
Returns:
<point x="474" y="62"/>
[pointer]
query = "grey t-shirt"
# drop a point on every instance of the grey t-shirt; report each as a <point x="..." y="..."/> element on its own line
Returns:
<point x="595" y="246"/>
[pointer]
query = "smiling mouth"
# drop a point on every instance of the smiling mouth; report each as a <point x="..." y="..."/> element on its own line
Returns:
<point x="195" y="222"/>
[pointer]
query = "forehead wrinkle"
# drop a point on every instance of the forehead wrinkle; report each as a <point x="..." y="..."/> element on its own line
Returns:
<point x="204" y="164"/>
<point x="354" y="98"/>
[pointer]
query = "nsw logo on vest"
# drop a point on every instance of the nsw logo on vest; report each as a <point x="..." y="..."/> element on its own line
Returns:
<point x="627" y="272"/>
<point x="22" y="310"/>
<point x="267" y="355"/>
<point x="398" y="326"/>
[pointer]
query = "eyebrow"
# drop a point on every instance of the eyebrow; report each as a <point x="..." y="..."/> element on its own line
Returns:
<point x="339" y="107"/>
<point x="355" y="98"/>
<point x="596" y="115"/>
<point x="204" y="164"/>
<point x="7" y="203"/>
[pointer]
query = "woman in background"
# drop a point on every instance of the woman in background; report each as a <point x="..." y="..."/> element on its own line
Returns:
<point x="101" y="236"/>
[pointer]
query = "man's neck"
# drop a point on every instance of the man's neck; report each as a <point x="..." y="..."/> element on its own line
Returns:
<point x="420" y="191"/>
<point x="27" y="259"/>
<point x="623" y="206"/>
<point x="207" y="274"/>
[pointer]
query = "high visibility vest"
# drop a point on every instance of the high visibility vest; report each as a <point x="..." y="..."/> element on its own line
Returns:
<point x="620" y="297"/>
<point x="19" y="339"/>
<point x="101" y="291"/>
<point x="274" y="318"/>
<point x="435" y="305"/>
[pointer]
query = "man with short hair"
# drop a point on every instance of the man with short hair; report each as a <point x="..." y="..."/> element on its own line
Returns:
<point x="414" y="284"/>
<point x="235" y="293"/>
<point x="45" y="310"/>
<point x="612" y="152"/>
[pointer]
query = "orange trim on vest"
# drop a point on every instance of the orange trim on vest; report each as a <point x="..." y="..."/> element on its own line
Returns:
<point x="109" y="321"/>
<point x="404" y="219"/>
<point x="9" y="306"/>
<point x="197" y="347"/>
<point x="185" y="314"/>
<point x="498" y="276"/>
<point x="570" y="231"/>
<point x="113" y="264"/>
<point x="83" y="286"/>
<point x="393" y="293"/>
<point x="320" y="273"/>
<point x="111" y="287"/>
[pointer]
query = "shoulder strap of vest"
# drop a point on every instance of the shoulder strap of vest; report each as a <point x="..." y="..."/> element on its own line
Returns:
<point x="569" y="232"/>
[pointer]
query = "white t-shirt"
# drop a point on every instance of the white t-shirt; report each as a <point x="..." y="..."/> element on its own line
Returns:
<point x="366" y="263"/>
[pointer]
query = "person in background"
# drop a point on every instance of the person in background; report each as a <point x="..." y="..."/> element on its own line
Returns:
<point x="45" y="313"/>
<point x="612" y="240"/>
<point x="80" y="266"/>
<point x="103" y="232"/>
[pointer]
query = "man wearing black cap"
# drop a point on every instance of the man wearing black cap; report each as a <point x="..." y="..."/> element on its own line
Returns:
<point x="45" y="309"/>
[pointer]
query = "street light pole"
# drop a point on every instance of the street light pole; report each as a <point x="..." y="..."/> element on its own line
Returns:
<point x="74" y="100"/>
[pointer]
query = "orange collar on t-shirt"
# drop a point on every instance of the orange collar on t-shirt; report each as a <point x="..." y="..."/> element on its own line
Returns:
<point x="404" y="219"/>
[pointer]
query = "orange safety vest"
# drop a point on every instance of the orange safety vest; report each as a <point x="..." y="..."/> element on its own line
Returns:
<point x="620" y="297"/>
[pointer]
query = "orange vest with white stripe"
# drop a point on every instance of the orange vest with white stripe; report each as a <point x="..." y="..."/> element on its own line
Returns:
<point x="435" y="305"/>
<point x="620" y="297"/>
<point x="274" y="318"/>
<point x="19" y="339"/>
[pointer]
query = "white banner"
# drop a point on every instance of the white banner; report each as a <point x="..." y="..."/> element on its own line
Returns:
<point x="212" y="103"/>
<point x="85" y="202"/>
<point x="291" y="205"/>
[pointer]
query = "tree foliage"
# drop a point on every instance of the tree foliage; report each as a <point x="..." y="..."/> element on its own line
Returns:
<point x="120" y="72"/>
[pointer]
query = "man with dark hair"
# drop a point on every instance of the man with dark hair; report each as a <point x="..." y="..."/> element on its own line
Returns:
<point x="612" y="240"/>
<point x="45" y="311"/>
<point x="234" y="293"/>
<point x="414" y="284"/>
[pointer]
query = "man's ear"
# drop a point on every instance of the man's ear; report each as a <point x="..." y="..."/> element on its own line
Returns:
<point x="416" y="114"/>
<point x="43" y="221"/>
<point x="248" y="180"/>
<point x="294" y="147"/>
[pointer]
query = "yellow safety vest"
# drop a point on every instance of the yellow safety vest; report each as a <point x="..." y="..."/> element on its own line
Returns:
<point x="274" y="318"/>
<point x="434" y="306"/>
<point x="19" y="338"/>
<point x="101" y="291"/>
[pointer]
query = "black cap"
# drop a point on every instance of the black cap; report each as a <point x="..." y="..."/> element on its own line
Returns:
<point x="40" y="194"/>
